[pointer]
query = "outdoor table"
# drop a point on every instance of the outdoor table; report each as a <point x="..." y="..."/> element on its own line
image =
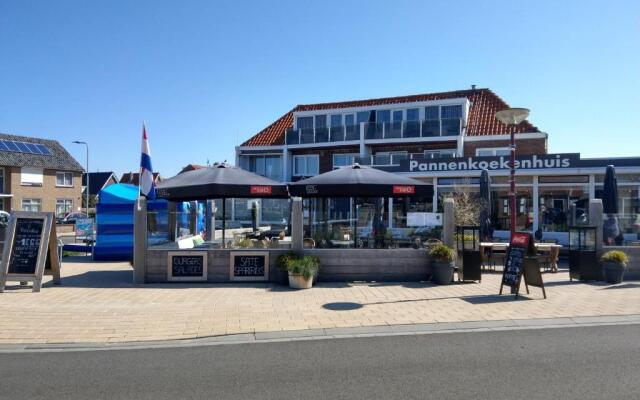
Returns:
<point x="553" y="249"/>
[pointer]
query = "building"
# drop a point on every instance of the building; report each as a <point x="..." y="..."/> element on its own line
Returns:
<point x="133" y="178"/>
<point x="444" y="139"/>
<point x="38" y="175"/>
<point x="97" y="182"/>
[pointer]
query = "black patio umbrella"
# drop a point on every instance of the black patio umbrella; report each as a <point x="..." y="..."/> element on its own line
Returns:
<point x="359" y="181"/>
<point x="486" y="228"/>
<point x="221" y="181"/>
<point x="610" y="192"/>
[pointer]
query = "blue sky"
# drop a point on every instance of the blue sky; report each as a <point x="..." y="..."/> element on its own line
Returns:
<point x="207" y="75"/>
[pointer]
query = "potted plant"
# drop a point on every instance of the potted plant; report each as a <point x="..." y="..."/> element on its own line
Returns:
<point x="614" y="263"/>
<point x="442" y="264"/>
<point x="301" y="269"/>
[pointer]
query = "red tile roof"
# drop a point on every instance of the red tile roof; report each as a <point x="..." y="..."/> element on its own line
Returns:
<point x="481" y="121"/>
<point x="132" y="178"/>
<point x="191" y="167"/>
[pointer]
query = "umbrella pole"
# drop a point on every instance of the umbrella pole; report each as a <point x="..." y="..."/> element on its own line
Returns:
<point x="224" y="220"/>
<point x="355" y="224"/>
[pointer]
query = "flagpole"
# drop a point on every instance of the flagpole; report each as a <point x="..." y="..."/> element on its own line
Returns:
<point x="139" y="207"/>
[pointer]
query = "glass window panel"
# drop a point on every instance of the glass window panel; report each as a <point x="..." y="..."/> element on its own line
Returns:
<point x="397" y="115"/>
<point x="383" y="116"/>
<point x="363" y="116"/>
<point x="413" y="114"/>
<point x="305" y="123"/>
<point x="432" y="112"/>
<point x="451" y="112"/>
<point x="336" y="120"/>
<point x="321" y="121"/>
<point x="562" y="206"/>
<point x="349" y="119"/>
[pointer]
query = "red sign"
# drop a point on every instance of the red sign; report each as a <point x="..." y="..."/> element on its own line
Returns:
<point x="261" y="190"/>
<point x="520" y="239"/>
<point x="404" y="189"/>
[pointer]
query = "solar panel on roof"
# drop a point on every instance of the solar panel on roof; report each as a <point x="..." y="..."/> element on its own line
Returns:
<point x="24" y="147"/>
<point x="43" y="149"/>
<point x="11" y="145"/>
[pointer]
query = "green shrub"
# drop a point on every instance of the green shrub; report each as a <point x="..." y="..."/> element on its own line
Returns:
<point x="442" y="253"/>
<point x="615" y="256"/>
<point x="284" y="260"/>
<point x="307" y="266"/>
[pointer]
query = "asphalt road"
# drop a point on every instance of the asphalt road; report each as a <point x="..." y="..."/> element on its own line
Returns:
<point x="572" y="363"/>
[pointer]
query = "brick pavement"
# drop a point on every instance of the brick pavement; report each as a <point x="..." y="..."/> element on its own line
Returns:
<point x="98" y="303"/>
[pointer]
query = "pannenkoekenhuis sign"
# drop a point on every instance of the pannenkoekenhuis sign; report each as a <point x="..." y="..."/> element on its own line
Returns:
<point x="493" y="163"/>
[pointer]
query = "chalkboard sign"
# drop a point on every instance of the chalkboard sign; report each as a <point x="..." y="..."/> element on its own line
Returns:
<point x="30" y="250"/>
<point x="26" y="246"/>
<point x="249" y="266"/>
<point x="514" y="265"/>
<point x="187" y="266"/>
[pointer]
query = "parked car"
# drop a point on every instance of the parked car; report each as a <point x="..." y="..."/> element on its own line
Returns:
<point x="70" y="218"/>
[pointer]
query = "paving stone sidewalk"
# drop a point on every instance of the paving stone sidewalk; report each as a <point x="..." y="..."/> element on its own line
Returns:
<point x="98" y="303"/>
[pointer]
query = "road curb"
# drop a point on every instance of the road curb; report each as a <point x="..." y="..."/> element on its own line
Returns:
<point x="334" y="333"/>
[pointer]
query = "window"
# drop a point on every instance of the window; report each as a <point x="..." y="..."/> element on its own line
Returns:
<point x="432" y="112"/>
<point x="349" y="120"/>
<point x="451" y="112"/>
<point x="306" y="165"/>
<point x="2" y="181"/>
<point x="493" y="151"/>
<point x="64" y="179"/>
<point x="268" y="166"/>
<point x="336" y="120"/>
<point x="31" y="176"/>
<point x="343" y="160"/>
<point x="33" y="205"/>
<point x="321" y="121"/>
<point x="305" y="123"/>
<point x="413" y="114"/>
<point x="383" y="116"/>
<point x="366" y="116"/>
<point x="63" y="206"/>
<point x="397" y="116"/>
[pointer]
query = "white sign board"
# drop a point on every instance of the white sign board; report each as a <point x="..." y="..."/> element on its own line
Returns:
<point x="424" y="219"/>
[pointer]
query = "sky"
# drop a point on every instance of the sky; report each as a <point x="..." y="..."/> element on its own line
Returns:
<point x="207" y="75"/>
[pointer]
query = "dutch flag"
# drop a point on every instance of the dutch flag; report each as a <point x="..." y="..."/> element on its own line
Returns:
<point x="147" y="186"/>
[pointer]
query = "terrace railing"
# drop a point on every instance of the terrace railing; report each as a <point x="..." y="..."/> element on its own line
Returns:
<point x="376" y="131"/>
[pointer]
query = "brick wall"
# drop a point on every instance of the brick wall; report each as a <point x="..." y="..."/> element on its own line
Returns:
<point x="523" y="146"/>
<point x="48" y="193"/>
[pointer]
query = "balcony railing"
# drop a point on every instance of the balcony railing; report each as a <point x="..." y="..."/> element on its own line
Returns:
<point x="395" y="159"/>
<point x="376" y="130"/>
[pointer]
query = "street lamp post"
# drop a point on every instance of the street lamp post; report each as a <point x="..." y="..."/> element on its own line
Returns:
<point x="512" y="117"/>
<point x="87" y="176"/>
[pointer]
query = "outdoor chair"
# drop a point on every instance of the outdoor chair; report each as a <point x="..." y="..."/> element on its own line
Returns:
<point x="544" y="259"/>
